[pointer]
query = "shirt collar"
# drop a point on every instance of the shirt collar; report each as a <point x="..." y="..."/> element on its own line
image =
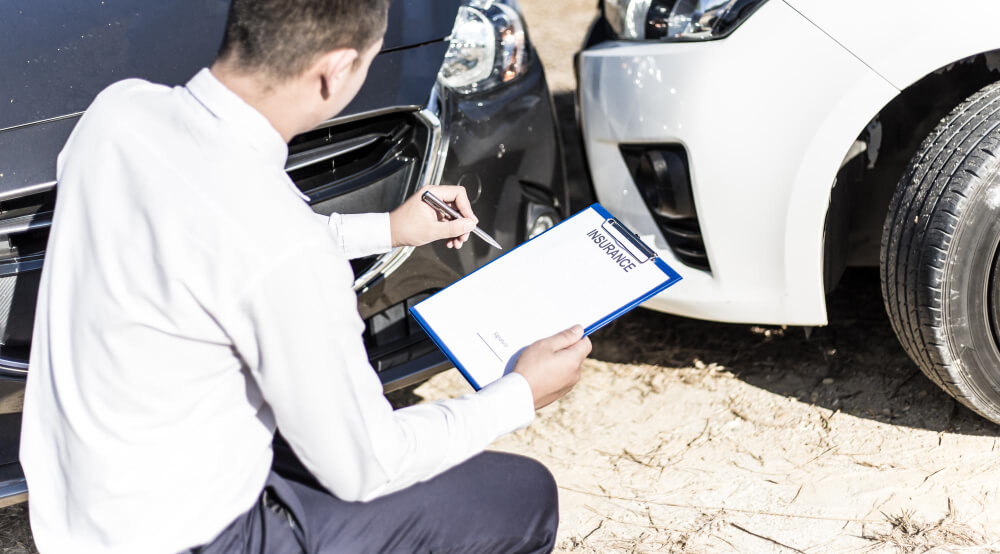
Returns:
<point x="243" y="118"/>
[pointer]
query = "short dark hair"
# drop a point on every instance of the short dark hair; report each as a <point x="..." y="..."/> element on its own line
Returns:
<point x="282" y="37"/>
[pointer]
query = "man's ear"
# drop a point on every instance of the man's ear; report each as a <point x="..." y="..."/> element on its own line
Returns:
<point x="333" y="67"/>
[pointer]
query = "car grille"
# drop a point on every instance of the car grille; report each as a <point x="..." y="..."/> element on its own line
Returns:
<point x="24" y="223"/>
<point x="370" y="165"/>
<point x="24" y="231"/>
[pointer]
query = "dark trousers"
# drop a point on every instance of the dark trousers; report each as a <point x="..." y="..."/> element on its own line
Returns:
<point x="493" y="502"/>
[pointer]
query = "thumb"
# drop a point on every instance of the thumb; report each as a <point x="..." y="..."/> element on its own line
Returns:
<point x="456" y="228"/>
<point x="564" y="339"/>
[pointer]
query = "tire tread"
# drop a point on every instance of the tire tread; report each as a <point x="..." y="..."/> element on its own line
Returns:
<point x="923" y="216"/>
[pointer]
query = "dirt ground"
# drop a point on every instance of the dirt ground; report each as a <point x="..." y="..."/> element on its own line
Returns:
<point x="690" y="436"/>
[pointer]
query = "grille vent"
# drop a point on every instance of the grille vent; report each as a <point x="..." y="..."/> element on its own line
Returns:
<point x="333" y="162"/>
<point x="661" y="174"/>
<point x="370" y="165"/>
<point x="24" y="231"/>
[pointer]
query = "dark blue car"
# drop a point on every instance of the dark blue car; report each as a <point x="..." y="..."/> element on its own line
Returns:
<point x="441" y="104"/>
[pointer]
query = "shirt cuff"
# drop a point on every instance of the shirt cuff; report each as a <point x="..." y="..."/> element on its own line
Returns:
<point x="361" y="235"/>
<point x="511" y="401"/>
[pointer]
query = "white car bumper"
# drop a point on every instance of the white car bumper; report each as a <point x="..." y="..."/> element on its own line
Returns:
<point x="766" y="116"/>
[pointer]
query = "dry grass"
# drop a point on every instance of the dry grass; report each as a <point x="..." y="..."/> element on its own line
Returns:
<point x="906" y="532"/>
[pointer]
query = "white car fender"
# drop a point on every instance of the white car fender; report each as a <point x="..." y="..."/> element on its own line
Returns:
<point x="905" y="40"/>
<point x="815" y="177"/>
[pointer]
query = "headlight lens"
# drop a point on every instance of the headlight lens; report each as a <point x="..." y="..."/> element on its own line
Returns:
<point x="677" y="20"/>
<point x="488" y="47"/>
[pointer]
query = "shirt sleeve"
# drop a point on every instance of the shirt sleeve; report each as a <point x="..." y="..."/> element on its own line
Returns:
<point x="306" y="353"/>
<point x="360" y="235"/>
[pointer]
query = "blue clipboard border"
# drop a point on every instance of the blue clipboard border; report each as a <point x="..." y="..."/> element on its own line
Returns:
<point x="672" y="278"/>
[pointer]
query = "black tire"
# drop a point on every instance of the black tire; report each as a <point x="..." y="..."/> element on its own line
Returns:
<point x="939" y="263"/>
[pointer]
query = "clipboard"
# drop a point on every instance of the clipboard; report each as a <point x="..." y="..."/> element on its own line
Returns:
<point x="589" y="270"/>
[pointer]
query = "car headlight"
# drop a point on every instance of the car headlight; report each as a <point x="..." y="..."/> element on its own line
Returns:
<point x="488" y="47"/>
<point x="677" y="20"/>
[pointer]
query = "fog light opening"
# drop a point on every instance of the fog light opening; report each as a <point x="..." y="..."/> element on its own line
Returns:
<point x="541" y="224"/>
<point x="660" y="173"/>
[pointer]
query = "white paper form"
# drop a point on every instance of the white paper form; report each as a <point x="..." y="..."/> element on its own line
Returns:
<point x="586" y="271"/>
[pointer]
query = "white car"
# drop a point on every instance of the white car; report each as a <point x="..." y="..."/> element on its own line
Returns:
<point x="764" y="145"/>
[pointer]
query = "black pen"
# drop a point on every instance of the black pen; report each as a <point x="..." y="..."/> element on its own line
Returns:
<point x="448" y="211"/>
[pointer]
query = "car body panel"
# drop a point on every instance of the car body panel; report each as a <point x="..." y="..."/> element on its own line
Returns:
<point x="761" y="184"/>
<point x="904" y="40"/>
<point x="398" y="78"/>
<point x="58" y="54"/>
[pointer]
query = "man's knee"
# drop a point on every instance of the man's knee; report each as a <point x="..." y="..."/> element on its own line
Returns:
<point x="533" y="492"/>
<point x="541" y="480"/>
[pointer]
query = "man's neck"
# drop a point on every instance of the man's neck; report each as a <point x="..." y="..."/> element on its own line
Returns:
<point x="271" y="102"/>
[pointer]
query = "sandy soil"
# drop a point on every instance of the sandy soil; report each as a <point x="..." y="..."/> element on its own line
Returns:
<point x="689" y="436"/>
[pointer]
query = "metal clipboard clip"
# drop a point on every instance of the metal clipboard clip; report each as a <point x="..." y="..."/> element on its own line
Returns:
<point x="628" y="241"/>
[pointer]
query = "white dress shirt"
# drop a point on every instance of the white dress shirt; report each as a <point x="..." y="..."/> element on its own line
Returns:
<point x="190" y="302"/>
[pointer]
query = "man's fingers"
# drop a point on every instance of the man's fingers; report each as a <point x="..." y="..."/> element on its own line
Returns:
<point x="461" y="201"/>
<point x="565" y="338"/>
<point x="457" y="196"/>
<point x="456" y="228"/>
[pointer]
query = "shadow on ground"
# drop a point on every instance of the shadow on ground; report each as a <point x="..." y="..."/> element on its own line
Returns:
<point x="854" y="365"/>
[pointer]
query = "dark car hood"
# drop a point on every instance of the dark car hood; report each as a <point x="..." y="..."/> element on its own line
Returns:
<point x="56" y="55"/>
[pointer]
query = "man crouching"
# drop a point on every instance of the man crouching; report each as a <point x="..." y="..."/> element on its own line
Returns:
<point x="191" y="303"/>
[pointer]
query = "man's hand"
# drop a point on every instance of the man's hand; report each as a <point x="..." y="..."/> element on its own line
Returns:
<point x="552" y="366"/>
<point x="415" y="223"/>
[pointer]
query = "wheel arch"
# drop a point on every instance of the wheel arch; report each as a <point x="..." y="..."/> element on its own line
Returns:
<point x="836" y="222"/>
